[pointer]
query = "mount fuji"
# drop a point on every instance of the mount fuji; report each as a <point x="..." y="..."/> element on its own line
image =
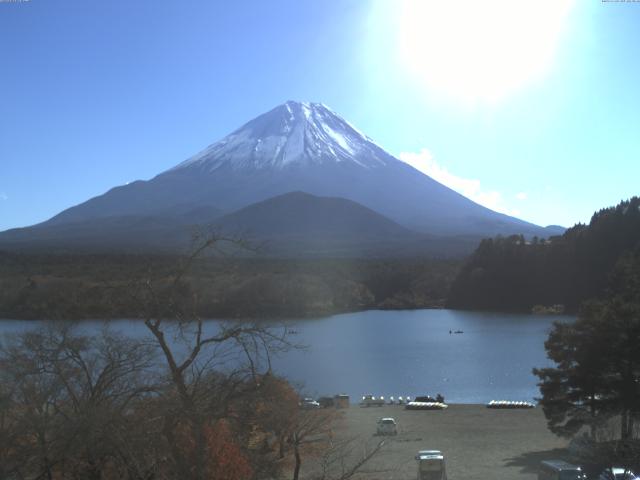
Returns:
<point x="296" y="147"/>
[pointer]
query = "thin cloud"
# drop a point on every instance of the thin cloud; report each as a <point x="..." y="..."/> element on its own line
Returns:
<point x="521" y="196"/>
<point x="469" y="187"/>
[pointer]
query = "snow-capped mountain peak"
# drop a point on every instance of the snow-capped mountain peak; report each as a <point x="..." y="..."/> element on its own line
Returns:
<point x="294" y="133"/>
<point x="296" y="147"/>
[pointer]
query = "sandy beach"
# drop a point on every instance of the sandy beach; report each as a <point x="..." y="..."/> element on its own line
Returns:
<point x="477" y="442"/>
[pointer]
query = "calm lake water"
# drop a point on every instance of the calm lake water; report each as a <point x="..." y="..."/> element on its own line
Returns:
<point x="408" y="352"/>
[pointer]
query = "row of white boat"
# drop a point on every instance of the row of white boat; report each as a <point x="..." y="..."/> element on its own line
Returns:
<point x="426" y="406"/>
<point x="371" y="401"/>
<point x="368" y="400"/>
<point x="509" y="404"/>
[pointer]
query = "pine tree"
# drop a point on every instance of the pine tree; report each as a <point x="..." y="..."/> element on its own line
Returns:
<point x="597" y="372"/>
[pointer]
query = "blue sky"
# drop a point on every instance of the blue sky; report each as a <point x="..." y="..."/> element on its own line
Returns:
<point x="540" y="120"/>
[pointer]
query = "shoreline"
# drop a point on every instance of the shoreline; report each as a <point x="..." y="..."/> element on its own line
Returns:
<point x="452" y="404"/>
<point x="297" y="316"/>
<point x="309" y="315"/>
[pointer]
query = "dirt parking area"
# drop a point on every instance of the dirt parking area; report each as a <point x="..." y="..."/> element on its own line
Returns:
<point x="477" y="442"/>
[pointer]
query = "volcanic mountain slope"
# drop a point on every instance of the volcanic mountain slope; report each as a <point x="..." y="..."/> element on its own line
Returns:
<point x="299" y="214"/>
<point x="296" y="147"/>
<point x="295" y="224"/>
<point x="301" y="224"/>
<point x="118" y="233"/>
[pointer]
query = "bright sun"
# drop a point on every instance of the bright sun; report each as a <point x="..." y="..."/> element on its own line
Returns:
<point x="479" y="50"/>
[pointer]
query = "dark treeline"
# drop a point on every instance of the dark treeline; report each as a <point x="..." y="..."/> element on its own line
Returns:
<point x="96" y="286"/>
<point x="515" y="275"/>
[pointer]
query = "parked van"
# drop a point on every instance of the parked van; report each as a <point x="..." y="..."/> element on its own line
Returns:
<point x="341" y="401"/>
<point x="559" y="470"/>
<point x="431" y="465"/>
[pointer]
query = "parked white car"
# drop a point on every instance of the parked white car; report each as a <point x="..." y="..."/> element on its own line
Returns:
<point x="387" y="426"/>
<point x="309" y="404"/>
<point x="617" y="473"/>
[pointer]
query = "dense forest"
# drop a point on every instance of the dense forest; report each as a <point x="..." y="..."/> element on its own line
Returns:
<point x="516" y="274"/>
<point x="98" y="286"/>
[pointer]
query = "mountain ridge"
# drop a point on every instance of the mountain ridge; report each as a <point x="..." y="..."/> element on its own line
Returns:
<point x="295" y="225"/>
<point x="302" y="147"/>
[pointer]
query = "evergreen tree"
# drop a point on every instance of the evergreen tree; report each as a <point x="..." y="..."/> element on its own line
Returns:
<point x="597" y="373"/>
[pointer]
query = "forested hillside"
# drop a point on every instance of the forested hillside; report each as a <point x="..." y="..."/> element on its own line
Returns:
<point x="514" y="274"/>
<point x="98" y="286"/>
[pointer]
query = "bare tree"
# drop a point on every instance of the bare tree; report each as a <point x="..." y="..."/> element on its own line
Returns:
<point x="330" y="456"/>
<point x="346" y="457"/>
<point x="212" y="367"/>
<point x="310" y="428"/>
<point x="69" y="397"/>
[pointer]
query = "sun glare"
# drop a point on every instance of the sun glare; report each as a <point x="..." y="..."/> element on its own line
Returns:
<point x="479" y="50"/>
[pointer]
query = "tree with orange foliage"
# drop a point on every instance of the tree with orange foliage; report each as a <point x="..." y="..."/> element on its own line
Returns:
<point x="226" y="459"/>
<point x="276" y="408"/>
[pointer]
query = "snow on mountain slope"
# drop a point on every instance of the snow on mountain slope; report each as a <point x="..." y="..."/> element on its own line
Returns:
<point x="292" y="133"/>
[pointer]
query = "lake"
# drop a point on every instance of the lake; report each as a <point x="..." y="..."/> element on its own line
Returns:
<point x="407" y="352"/>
